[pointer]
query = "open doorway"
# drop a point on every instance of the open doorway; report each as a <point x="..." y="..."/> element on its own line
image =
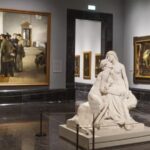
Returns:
<point x="81" y="65"/>
<point x="87" y="54"/>
<point x="26" y="33"/>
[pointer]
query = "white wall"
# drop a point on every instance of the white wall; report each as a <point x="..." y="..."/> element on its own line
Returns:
<point x="58" y="35"/>
<point x="58" y="9"/>
<point x="39" y="26"/>
<point x="12" y="26"/>
<point x="137" y="23"/>
<point x="87" y="35"/>
<point x="87" y="38"/>
<point x="1" y="22"/>
<point x="39" y="29"/>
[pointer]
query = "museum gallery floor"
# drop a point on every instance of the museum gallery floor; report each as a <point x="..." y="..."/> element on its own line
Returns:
<point x="20" y="123"/>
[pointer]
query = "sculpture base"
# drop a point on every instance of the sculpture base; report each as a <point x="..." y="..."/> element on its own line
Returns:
<point x="106" y="140"/>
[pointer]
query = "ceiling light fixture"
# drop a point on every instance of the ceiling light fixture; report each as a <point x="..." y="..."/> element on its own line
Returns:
<point x="91" y="7"/>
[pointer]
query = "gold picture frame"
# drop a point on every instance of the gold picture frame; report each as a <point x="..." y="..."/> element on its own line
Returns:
<point x="87" y="65"/>
<point x="142" y="59"/>
<point x="31" y="69"/>
<point x="97" y="64"/>
<point x="77" y="66"/>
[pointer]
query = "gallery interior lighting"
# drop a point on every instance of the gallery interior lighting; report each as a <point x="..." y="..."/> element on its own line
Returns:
<point x="91" y="7"/>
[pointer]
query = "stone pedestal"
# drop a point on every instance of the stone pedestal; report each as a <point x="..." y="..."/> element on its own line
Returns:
<point x="110" y="139"/>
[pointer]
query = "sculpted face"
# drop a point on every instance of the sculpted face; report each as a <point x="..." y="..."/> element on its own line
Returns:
<point x="105" y="64"/>
<point x="110" y="58"/>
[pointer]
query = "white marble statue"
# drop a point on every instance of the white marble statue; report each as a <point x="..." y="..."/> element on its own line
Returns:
<point x="109" y="100"/>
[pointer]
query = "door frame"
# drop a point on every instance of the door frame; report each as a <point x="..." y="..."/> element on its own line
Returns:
<point x="106" y="37"/>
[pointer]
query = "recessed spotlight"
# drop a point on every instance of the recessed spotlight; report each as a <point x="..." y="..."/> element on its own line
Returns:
<point x="91" y="7"/>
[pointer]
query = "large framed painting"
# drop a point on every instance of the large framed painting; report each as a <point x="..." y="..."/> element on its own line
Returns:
<point x="77" y="66"/>
<point x="142" y="59"/>
<point x="24" y="48"/>
<point x="97" y="64"/>
<point x="87" y="65"/>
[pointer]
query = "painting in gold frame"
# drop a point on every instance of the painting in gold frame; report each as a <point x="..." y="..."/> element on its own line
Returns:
<point x="97" y="64"/>
<point x="87" y="65"/>
<point x="77" y="66"/>
<point x="142" y="59"/>
<point x="32" y="69"/>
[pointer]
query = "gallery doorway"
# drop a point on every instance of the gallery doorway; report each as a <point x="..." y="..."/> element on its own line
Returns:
<point x="80" y="64"/>
<point x="26" y="33"/>
<point x="87" y="54"/>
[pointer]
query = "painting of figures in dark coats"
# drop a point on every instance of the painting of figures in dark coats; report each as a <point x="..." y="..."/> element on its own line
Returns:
<point x="24" y="48"/>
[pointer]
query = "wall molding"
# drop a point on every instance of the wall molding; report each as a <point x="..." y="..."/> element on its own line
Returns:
<point x="141" y="94"/>
<point x="36" y="95"/>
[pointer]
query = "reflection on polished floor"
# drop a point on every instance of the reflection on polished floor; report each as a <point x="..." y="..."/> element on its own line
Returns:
<point x="18" y="128"/>
<point x="21" y="136"/>
<point x="20" y="123"/>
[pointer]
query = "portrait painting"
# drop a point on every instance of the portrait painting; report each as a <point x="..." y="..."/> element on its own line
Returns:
<point x="97" y="64"/>
<point x="24" y="48"/>
<point x="77" y="66"/>
<point x="87" y="65"/>
<point x="142" y="59"/>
